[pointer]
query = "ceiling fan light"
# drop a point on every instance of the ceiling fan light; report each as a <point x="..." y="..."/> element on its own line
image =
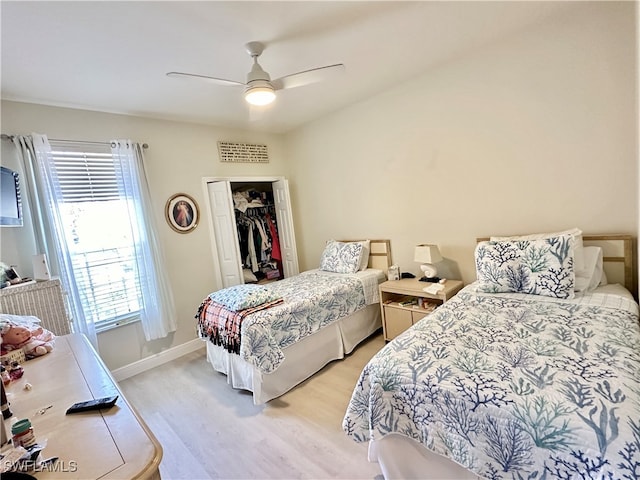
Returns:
<point x="259" y="95"/>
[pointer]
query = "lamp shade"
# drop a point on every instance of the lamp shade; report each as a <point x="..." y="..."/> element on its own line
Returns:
<point x="427" y="253"/>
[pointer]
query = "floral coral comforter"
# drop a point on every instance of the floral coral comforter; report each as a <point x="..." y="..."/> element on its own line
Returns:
<point x="513" y="386"/>
<point x="312" y="300"/>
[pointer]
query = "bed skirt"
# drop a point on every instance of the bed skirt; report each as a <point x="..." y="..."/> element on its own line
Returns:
<point x="401" y="457"/>
<point x="331" y="343"/>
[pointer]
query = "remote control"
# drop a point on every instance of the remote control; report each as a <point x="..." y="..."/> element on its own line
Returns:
<point x="97" y="404"/>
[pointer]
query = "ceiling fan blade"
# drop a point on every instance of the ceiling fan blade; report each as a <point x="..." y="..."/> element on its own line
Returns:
<point x="219" y="81"/>
<point x="308" y="76"/>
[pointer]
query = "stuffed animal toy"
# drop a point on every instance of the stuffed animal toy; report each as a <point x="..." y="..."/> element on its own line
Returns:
<point x="34" y="340"/>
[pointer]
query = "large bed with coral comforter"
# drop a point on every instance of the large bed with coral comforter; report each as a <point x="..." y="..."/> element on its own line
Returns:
<point x="507" y="385"/>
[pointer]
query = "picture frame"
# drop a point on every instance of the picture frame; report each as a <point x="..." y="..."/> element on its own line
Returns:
<point x="182" y="213"/>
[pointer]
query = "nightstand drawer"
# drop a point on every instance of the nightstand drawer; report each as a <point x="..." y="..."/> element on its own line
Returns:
<point x="396" y="321"/>
<point x="417" y="316"/>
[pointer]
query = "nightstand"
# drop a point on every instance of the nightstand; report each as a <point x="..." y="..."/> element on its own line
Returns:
<point x="404" y="302"/>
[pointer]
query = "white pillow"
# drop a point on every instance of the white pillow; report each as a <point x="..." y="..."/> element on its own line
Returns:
<point x="578" y="247"/>
<point x="593" y="268"/>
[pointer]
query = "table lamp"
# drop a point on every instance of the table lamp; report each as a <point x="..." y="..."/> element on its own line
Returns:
<point x="428" y="254"/>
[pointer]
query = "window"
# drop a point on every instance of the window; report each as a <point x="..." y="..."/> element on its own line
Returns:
<point x="94" y="218"/>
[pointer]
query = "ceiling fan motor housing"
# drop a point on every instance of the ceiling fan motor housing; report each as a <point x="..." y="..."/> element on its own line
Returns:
<point x="257" y="73"/>
<point x="259" y="89"/>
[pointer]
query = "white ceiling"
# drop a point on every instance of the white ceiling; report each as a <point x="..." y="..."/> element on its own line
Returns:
<point x="112" y="56"/>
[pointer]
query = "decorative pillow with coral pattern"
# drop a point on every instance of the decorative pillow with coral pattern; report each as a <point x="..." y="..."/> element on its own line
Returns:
<point x="341" y="257"/>
<point x="537" y="267"/>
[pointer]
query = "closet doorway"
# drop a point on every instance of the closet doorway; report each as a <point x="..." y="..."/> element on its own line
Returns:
<point x="251" y="229"/>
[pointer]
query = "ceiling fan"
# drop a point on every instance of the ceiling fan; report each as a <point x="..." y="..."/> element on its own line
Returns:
<point x="259" y="88"/>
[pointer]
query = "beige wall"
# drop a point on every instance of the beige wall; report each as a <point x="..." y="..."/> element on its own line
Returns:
<point x="179" y="156"/>
<point x="535" y="133"/>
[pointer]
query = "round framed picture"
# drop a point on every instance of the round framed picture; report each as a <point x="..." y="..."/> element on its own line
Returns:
<point x="182" y="213"/>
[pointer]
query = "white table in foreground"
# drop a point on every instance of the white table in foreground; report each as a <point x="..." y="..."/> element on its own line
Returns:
<point x="105" y="444"/>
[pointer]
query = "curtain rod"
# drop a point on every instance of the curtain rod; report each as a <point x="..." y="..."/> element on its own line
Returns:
<point x="4" y="136"/>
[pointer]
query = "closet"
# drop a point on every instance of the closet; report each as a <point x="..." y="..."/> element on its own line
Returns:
<point x="251" y="229"/>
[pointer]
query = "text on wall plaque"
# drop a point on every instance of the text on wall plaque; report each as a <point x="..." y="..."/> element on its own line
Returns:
<point x="243" y="152"/>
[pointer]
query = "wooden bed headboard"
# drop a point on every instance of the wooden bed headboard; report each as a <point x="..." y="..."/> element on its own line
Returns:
<point x="619" y="258"/>
<point x="379" y="255"/>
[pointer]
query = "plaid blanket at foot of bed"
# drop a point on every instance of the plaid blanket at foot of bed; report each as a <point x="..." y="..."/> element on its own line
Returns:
<point x="222" y="326"/>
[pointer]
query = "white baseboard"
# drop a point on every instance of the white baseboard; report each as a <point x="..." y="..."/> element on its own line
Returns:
<point x="156" y="360"/>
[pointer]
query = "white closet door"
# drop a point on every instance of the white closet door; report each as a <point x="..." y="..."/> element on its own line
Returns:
<point x="225" y="233"/>
<point x="285" y="228"/>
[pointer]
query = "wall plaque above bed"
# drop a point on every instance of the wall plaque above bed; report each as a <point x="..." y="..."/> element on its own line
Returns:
<point x="242" y="152"/>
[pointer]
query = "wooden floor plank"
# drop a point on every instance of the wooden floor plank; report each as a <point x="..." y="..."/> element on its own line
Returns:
<point x="209" y="430"/>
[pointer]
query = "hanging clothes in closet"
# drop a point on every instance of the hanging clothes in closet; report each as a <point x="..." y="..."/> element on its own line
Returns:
<point x="257" y="236"/>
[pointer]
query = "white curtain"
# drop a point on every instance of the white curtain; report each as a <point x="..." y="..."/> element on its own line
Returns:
<point x="27" y="156"/>
<point x="46" y="190"/>
<point x="158" y="314"/>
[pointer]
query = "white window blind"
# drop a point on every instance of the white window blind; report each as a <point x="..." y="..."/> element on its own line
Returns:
<point x="85" y="176"/>
<point x="97" y="230"/>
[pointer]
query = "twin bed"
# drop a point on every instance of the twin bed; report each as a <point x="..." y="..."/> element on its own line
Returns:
<point x="519" y="376"/>
<point x="530" y="372"/>
<point x="312" y="319"/>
